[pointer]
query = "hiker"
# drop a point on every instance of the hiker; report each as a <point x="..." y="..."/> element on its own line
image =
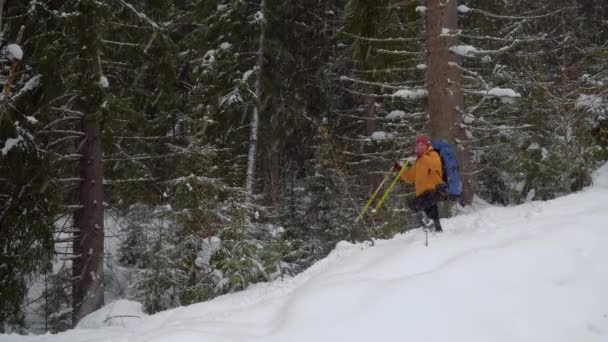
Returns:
<point x="427" y="176"/>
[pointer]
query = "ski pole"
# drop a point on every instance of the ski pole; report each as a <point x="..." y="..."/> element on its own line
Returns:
<point x="385" y="195"/>
<point x="369" y="202"/>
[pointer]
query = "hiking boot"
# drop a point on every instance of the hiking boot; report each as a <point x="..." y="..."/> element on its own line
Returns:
<point x="438" y="228"/>
<point x="427" y="223"/>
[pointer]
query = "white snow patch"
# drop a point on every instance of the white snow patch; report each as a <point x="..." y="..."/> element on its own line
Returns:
<point x="30" y="85"/>
<point x="103" y="82"/>
<point x="121" y="313"/>
<point x="13" y="51"/>
<point x="533" y="146"/>
<point x="463" y="9"/>
<point x="421" y="66"/>
<point x="225" y="46"/>
<point x="231" y="98"/>
<point x="530" y="195"/>
<point x="411" y="93"/>
<point x="468" y="119"/>
<point x="258" y="17"/>
<point x="381" y="136"/>
<point x="463" y="50"/>
<point x="594" y="103"/>
<point x="395" y="115"/>
<point x="421" y="9"/>
<point x="545" y="153"/>
<point x="10" y="143"/>
<point x="502" y="92"/>
<point x="31" y="120"/>
<point x="209" y="247"/>
<point x="209" y="58"/>
<point x="221" y="8"/>
<point x="247" y="74"/>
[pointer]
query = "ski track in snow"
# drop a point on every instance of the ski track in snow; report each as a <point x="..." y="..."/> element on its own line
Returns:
<point x="495" y="274"/>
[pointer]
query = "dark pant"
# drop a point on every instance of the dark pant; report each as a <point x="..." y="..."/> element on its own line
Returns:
<point x="427" y="203"/>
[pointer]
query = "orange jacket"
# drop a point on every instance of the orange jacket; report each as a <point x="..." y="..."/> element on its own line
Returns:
<point x="426" y="173"/>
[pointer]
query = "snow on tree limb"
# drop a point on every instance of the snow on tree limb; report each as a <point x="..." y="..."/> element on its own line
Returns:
<point x="10" y="143"/>
<point x="469" y="51"/>
<point x="496" y="92"/>
<point x="378" y="84"/>
<point x="465" y="9"/>
<point x="415" y="93"/>
<point x="30" y="85"/>
<point x="379" y="40"/>
<point x="14" y="52"/>
<point x="400" y="52"/>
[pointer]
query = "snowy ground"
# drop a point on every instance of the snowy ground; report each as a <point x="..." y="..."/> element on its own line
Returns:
<point x="536" y="272"/>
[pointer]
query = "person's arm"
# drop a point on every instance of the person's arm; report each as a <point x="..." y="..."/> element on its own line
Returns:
<point x="408" y="174"/>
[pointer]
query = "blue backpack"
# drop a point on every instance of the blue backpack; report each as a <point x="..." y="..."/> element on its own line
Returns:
<point x="451" y="175"/>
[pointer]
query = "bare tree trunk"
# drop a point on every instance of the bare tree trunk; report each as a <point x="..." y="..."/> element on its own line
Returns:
<point x="446" y="99"/>
<point x="2" y="2"/>
<point x="253" y="139"/>
<point x="88" y="288"/>
<point x="87" y="267"/>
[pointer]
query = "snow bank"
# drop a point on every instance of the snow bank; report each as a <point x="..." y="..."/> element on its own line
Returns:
<point x="534" y="272"/>
<point x="123" y="313"/>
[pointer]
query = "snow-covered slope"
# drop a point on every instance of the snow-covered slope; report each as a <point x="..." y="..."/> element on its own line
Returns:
<point x="535" y="272"/>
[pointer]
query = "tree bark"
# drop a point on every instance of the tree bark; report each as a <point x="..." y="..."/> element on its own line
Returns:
<point x="2" y="3"/>
<point x="446" y="99"/>
<point x="87" y="267"/>
<point x="88" y="288"/>
<point x="253" y="139"/>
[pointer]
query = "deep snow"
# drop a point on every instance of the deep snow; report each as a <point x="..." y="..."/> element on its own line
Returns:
<point x="535" y="272"/>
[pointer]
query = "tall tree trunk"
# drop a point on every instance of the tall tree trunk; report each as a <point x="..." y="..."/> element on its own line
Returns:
<point x="88" y="288"/>
<point x="253" y="138"/>
<point x="446" y="99"/>
<point x="2" y="2"/>
<point x="87" y="268"/>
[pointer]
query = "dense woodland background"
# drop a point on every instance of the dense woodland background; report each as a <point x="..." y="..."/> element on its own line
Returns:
<point x="172" y="151"/>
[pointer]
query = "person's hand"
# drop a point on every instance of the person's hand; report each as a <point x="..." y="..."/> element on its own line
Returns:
<point x="397" y="167"/>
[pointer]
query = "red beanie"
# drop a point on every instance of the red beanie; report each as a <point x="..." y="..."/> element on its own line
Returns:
<point x="422" y="140"/>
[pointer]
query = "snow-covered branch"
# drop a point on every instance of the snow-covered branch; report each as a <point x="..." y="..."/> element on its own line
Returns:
<point x="377" y="84"/>
<point x="468" y="50"/>
<point x="380" y="40"/>
<point x="495" y="92"/>
<point x="512" y="17"/>
<point x="400" y="52"/>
